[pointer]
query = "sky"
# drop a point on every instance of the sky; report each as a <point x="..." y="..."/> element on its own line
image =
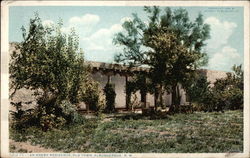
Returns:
<point x="97" y="25"/>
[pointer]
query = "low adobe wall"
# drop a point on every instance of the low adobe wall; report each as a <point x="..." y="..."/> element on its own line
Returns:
<point x="212" y="75"/>
<point x="120" y="83"/>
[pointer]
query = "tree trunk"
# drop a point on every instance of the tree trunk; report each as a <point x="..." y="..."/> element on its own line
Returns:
<point x="178" y="97"/>
<point x="143" y="98"/>
<point x="175" y="97"/>
<point x="128" y="94"/>
<point x="155" y="98"/>
<point x="144" y="94"/>
<point x="161" y="95"/>
<point x="158" y="96"/>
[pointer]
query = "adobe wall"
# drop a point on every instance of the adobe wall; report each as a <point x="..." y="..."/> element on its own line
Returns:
<point x="120" y="88"/>
<point x="212" y="75"/>
<point x="119" y="81"/>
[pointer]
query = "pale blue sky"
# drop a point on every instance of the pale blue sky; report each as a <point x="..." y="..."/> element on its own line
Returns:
<point x="97" y="25"/>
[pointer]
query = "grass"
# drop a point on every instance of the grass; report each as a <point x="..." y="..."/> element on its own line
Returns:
<point x="181" y="133"/>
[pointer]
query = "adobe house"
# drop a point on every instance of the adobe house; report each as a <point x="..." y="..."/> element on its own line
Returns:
<point x="119" y="75"/>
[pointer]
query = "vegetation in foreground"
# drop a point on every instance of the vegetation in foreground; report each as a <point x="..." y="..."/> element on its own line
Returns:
<point x="180" y="133"/>
<point x="51" y="63"/>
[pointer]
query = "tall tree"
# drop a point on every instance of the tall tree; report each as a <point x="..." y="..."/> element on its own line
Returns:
<point x="48" y="60"/>
<point x="169" y="44"/>
<point x="51" y="63"/>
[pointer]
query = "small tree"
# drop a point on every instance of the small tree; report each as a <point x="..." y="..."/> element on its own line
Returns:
<point x="169" y="44"/>
<point x="110" y="97"/>
<point x="229" y="90"/>
<point x="92" y="95"/>
<point x="51" y="63"/>
<point x="197" y="90"/>
<point x="226" y="93"/>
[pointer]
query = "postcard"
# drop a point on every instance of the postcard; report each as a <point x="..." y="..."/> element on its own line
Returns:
<point x="125" y="79"/>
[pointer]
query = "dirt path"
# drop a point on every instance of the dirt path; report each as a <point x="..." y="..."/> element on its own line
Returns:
<point x="26" y="147"/>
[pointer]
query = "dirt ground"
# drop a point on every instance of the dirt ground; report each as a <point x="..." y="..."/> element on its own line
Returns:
<point x="26" y="147"/>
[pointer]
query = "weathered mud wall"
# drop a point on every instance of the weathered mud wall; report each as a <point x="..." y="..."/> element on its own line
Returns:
<point x="119" y="81"/>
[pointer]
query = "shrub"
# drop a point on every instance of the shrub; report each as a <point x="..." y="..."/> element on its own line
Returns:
<point x="226" y="94"/>
<point x="18" y="116"/>
<point x="69" y="111"/>
<point x="51" y="62"/>
<point x="92" y="95"/>
<point x="110" y="97"/>
<point x="235" y="99"/>
<point x="229" y="91"/>
<point x="49" y="121"/>
<point x="198" y="92"/>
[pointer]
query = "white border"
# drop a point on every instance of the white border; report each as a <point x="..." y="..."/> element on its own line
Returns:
<point x="127" y="3"/>
<point x="5" y="58"/>
<point x="4" y="80"/>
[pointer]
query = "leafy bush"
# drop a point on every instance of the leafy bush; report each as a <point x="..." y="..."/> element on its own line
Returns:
<point x="20" y="117"/>
<point x="110" y="97"/>
<point x="17" y="116"/>
<point x="235" y="99"/>
<point x="92" y="95"/>
<point x="198" y="89"/>
<point x="70" y="112"/>
<point x="50" y="61"/>
<point x="229" y="91"/>
<point x="226" y="93"/>
<point x="51" y="121"/>
<point x="182" y="109"/>
<point x="137" y="83"/>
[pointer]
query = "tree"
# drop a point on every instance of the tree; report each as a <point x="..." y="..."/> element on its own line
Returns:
<point x="48" y="60"/>
<point x="51" y="63"/>
<point x="229" y="90"/>
<point x="169" y="44"/>
<point x="110" y="97"/>
<point x="225" y="93"/>
<point x="198" y="89"/>
<point x="137" y="83"/>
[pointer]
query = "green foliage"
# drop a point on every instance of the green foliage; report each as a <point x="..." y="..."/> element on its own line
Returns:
<point x="165" y="135"/>
<point x="235" y="99"/>
<point x="92" y="95"/>
<point x="130" y="90"/>
<point x="229" y="91"/>
<point x="225" y="94"/>
<point x="67" y="107"/>
<point x="137" y="83"/>
<point x="170" y="45"/>
<point x="51" y="63"/>
<point x="74" y="137"/>
<point x="199" y="92"/>
<point x="179" y="133"/>
<point x="20" y="118"/>
<point x="198" y="89"/>
<point x="48" y="60"/>
<point x="69" y="111"/>
<point x="110" y="97"/>
<point x="49" y="121"/>
<point x="18" y="113"/>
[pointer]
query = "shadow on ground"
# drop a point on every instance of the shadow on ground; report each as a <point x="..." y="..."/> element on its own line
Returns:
<point x="139" y="116"/>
